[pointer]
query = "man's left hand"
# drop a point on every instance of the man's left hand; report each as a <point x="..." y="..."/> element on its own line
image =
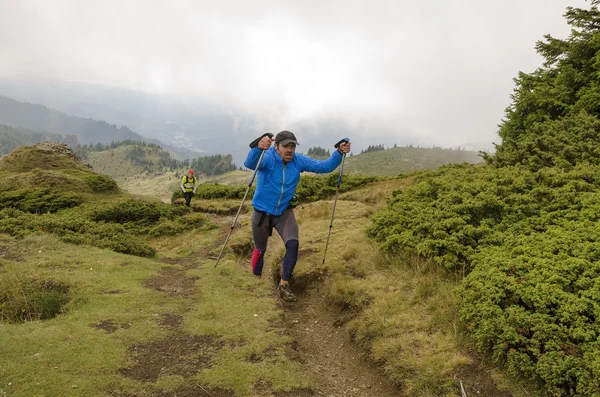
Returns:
<point x="344" y="148"/>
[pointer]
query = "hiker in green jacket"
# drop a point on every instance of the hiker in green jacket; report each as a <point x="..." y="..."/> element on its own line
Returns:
<point x="188" y="186"/>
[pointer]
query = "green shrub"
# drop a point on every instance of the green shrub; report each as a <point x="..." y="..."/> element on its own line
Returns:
<point x="209" y="191"/>
<point x="75" y="229"/>
<point x="102" y="235"/>
<point x="125" y="244"/>
<point x="313" y="188"/>
<point x="529" y="243"/>
<point x="16" y="222"/>
<point x="534" y="302"/>
<point x="137" y="212"/>
<point x="167" y="228"/>
<point x="36" y="200"/>
<point x="98" y="182"/>
<point x="180" y="225"/>
<point x="196" y="220"/>
<point x="447" y="215"/>
<point x="120" y="227"/>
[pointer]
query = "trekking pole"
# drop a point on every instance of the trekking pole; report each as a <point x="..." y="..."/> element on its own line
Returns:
<point x="337" y="189"/>
<point x="262" y="154"/>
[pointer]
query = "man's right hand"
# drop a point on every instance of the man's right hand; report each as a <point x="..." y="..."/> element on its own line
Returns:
<point x="265" y="143"/>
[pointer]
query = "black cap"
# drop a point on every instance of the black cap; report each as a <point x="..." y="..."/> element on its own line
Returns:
<point x="284" y="137"/>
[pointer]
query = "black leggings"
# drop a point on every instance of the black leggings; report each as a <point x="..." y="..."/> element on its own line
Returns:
<point x="188" y="197"/>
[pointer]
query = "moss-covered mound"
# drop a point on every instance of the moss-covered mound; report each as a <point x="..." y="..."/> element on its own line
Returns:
<point x="45" y="156"/>
<point x="49" y="166"/>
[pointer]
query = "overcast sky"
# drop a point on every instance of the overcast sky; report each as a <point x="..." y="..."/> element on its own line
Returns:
<point x="439" y="70"/>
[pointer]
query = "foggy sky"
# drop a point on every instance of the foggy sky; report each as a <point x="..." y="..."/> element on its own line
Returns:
<point x="440" y="71"/>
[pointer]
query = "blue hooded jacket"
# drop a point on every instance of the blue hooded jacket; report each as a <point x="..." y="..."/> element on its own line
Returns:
<point x="276" y="182"/>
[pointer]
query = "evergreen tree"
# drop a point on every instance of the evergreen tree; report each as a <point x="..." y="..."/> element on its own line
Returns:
<point x="373" y="148"/>
<point x="554" y="118"/>
<point x="318" y="152"/>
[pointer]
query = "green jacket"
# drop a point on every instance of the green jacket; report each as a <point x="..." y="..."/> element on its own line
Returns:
<point x="188" y="184"/>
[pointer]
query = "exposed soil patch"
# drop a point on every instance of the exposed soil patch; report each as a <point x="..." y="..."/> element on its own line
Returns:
<point x="112" y="292"/>
<point x="298" y="393"/>
<point x="173" y="282"/>
<point x="170" y="320"/>
<point x="6" y="254"/>
<point x="170" y="261"/>
<point x="263" y="388"/>
<point x="307" y="281"/>
<point x="177" y="354"/>
<point x="187" y="391"/>
<point x="107" y="325"/>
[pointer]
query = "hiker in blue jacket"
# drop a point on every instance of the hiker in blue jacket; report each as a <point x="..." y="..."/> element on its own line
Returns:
<point x="277" y="177"/>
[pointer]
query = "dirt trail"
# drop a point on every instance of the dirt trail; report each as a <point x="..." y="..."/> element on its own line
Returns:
<point x="325" y="348"/>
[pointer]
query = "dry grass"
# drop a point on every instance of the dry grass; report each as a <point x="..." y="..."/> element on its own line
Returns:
<point x="158" y="186"/>
<point x="375" y="194"/>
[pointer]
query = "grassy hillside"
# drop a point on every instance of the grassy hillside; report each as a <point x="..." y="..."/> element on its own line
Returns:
<point x="114" y="162"/>
<point x="126" y="288"/>
<point x="159" y="184"/>
<point x="379" y="163"/>
<point x="406" y="159"/>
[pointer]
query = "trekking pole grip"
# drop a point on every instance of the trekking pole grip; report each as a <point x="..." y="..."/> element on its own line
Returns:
<point x="345" y="140"/>
<point x="255" y="142"/>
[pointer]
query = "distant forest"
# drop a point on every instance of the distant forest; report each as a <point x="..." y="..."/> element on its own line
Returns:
<point x="145" y="154"/>
<point x="152" y="155"/>
<point x="318" y="152"/>
<point x="373" y="148"/>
